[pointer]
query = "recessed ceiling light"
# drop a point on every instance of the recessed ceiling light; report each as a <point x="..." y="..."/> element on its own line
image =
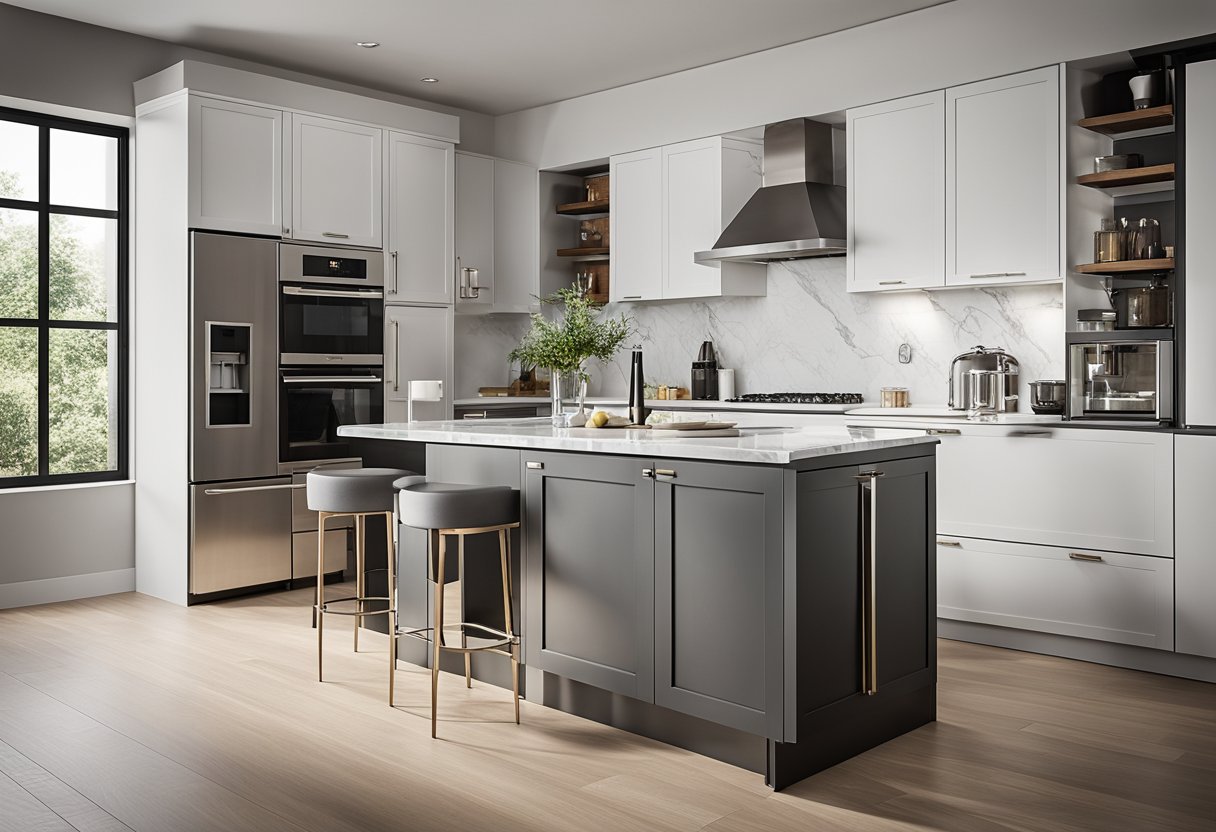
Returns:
<point x="367" y="44"/>
<point x="429" y="80"/>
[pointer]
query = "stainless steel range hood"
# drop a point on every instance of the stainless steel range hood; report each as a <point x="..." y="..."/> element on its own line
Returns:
<point x="798" y="212"/>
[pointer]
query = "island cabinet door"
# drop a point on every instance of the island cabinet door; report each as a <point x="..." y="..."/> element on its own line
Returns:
<point x="590" y="570"/>
<point x="862" y="631"/>
<point x="718" y="593"/>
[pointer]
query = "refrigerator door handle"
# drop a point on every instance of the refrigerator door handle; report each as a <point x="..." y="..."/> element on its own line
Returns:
<point x="214" y="491"/>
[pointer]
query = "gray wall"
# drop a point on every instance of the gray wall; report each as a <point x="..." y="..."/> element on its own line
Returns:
<point x="53" y="59"/>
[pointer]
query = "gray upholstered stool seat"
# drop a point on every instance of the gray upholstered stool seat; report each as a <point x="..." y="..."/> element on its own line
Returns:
<point x="358" y="493"/>
<point x="444" y="505"/>
<point x="352" y="490"/>
<point x="454" y="510"/>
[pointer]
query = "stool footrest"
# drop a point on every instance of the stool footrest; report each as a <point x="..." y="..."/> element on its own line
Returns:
<point x="355" y="598"/>
<point x="501" y="639"/>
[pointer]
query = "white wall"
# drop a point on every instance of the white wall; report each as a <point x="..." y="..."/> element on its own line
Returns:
<point x="950" y="44"/>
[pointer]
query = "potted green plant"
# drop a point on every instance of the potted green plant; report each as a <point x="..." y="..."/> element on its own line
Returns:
<point x="564" y="345"/>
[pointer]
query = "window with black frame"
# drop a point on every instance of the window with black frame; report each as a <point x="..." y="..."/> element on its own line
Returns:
<point x="63" y="300"/>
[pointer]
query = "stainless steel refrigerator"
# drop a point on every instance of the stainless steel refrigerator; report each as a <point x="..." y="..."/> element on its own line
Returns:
<point x="240" y="506"/>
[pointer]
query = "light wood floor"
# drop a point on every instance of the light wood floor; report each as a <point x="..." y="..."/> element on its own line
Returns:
<point x="127" y="713"/>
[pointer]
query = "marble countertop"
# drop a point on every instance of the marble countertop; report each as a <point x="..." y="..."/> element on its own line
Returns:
<point x="662" y="404"/>
<point x="764" y="446"/>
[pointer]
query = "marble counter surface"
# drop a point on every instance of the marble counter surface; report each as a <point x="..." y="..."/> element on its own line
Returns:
<point x="764" y="446"/>
<point x="663" y="404"/>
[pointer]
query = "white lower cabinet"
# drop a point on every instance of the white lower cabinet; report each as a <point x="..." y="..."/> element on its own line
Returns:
<point x="1195" y="558"/>
<point x="1111" y="490"/>
<point x="1104" y="596"/>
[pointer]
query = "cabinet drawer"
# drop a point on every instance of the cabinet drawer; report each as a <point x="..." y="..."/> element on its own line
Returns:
<point x="1089" y="489"/>
<point x="1128" y="599"/>
<point x="304" y="552"/>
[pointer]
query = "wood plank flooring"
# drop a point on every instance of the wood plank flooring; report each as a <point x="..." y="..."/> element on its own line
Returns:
<point x="128" y="714"/>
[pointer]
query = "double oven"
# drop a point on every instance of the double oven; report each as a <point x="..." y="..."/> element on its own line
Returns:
<point x="331" y="348"/>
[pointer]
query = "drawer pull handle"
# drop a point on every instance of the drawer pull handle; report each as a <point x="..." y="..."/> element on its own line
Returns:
<point x="890" y="283"/>
<point x="536" y="466"/>
<point x="998" y="274"/>
<point x="1030" y="433"/>
<point x="335" y="234"/>
<point x="943" y="432"/>
<point x="1088" y="558"/>
<point x="954" y="544"/>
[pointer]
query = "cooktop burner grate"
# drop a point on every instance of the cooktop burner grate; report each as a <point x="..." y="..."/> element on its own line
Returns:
<point x="801" y="398"/>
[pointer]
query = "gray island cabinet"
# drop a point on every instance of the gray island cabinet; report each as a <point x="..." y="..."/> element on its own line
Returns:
<point x="768" y="600"/>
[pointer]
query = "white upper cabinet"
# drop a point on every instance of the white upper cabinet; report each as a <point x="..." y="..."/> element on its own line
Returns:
<point x="336" y="182"/>
<point x="516" y="236"/>
<point x="635" y="186"/>
<point x="705" y="183"/>
<point x="474" y="267"/>
<point x="1004" y="180"/>
<point x="421" y="237"/>
<point x="669" y="203"/>
<point x="896" y="194"/>
<point x="236" y="167"/>
<point x="418" y="347"/>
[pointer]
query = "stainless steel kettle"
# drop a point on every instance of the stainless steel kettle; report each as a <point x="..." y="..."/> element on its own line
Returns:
<point x="984" y="378"/>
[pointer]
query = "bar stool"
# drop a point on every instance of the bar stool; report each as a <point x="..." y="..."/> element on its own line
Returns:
<point x="448" y="509"/>
<point x="358" y="493"/>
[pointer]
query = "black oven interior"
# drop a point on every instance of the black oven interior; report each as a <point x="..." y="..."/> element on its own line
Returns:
<point x="314" y="403"/>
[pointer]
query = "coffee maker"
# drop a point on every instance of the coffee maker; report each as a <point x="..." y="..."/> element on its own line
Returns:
<point x="705" y="373"/>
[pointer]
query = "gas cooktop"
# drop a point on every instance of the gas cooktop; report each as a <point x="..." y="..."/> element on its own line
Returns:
<point x="800" y="398"/>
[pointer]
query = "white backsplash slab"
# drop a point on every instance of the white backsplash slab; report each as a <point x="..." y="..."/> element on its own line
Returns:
<point x="809" y="334"/>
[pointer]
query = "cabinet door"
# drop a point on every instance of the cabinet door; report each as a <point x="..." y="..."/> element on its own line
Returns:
<point x="866" y="582"/>
<point x="692" y="217"/>
<point x="1195" y="556"/>
<point x="1105" y="596"/>
<point x="1200" y="245"/>
<point x="1003" y="180"/>
<point x="236" y="167"/>
<point x="336" y="182"/>
<point x="474" y="275"/>
<point x="418" y="340"/>
<point x="421" y="219"/>
<point x="635" y="185"/>
<point x="1111" y="490"/>
<point x="718" y="584"/>
<point x="896" y="194"/>
<point x="590" y="564"/>
<point x="516" y="236"/>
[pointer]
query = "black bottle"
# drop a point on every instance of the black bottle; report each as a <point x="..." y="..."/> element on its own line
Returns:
<point x="637" y="396"/>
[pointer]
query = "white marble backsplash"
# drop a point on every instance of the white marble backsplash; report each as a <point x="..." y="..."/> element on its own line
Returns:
<point x="809" y="334"/>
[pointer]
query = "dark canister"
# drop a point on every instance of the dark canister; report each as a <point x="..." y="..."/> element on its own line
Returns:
<point x="705" y="373"/>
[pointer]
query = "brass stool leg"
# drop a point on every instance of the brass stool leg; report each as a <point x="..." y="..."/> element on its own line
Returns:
<point x="392" y="605"/>
<point x="503" y="548"/>
<point x="437" y="633"/>
<point x="360" y="543"/>
<point x="464" y="639"/>
<point x="320" y="588"/>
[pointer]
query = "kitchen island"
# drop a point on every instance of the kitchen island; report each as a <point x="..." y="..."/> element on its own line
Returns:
<point x="767" y="599"/>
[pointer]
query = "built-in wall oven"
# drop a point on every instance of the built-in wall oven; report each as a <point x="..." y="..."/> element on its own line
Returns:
<point x="315" y="401"/>
<point x="331" y="306"/>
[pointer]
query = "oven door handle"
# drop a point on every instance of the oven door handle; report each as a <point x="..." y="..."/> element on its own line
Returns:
<point x="330" y="379"/>
<point x="332" y="293"/>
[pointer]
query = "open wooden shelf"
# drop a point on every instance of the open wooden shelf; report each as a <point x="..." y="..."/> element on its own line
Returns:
<point x="600" y="206"/>
<point x="1116" y="123"/>
<point x="1130" y="176"/>
<point x="598" y="297"/>
<point x="584" y="252"/>
<point x="1161" y="264"/>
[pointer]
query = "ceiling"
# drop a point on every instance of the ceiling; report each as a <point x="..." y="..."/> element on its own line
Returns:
<point x="491" y="56"/>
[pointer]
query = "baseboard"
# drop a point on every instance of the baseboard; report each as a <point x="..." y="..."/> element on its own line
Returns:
<point x="67" y="588"/>
<point x="1165" y="662"/>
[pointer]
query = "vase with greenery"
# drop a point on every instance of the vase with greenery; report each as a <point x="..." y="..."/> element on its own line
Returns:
<point x="565" y="344"/>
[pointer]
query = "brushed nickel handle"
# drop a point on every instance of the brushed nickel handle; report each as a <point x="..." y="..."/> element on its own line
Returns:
<point x="631" y="297"/>
<point x="943" y="432"/>
<point x="1030" y="433"/>
<point x="394" y="256"/>
<point x="868" y="481"/>
<point x="891" y="282"/>
<point x="335" y="234"/>
<point x="536" y="466"/>
<point x="482" y="415"/>
<point x="953" y="544"/>
<point x="396" y="356"/>
<point x="665" y="472"/>
<point x="305" y="292"/>
<point x="329" y="379"/>
<point x="997" y="274"/>
<point x="1088" y="558"/>
<point x="214" y="491"/>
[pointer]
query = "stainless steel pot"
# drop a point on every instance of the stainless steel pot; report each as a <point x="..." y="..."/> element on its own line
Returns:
<point x="984" y="378"/>
<point x="1047" y="396"/>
